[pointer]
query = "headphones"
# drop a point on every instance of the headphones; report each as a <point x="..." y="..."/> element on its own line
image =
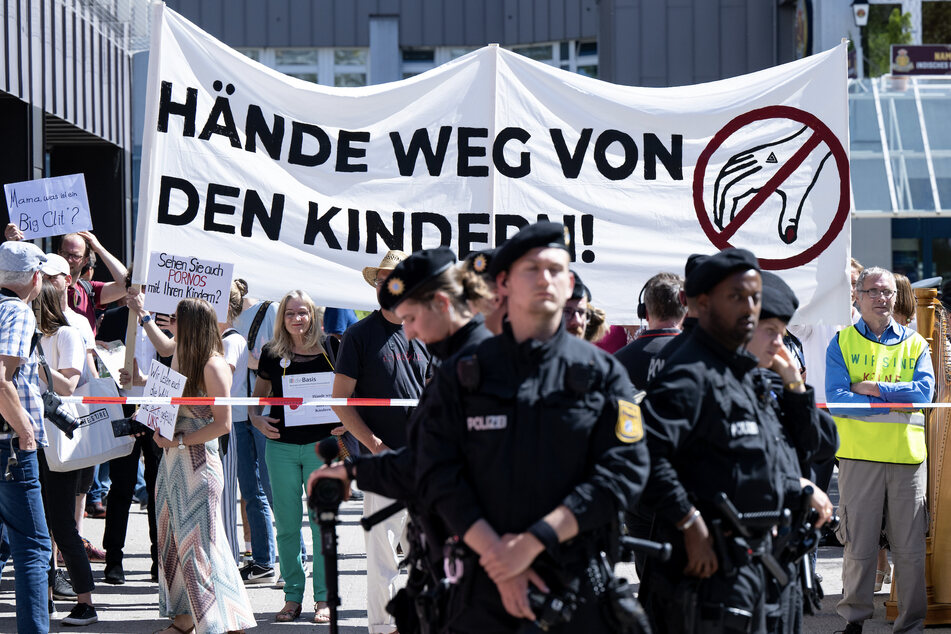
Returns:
<point x="641" y="306"/>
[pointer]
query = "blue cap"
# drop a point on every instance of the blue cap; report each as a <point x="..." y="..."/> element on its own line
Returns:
<point x="21" y="256"/>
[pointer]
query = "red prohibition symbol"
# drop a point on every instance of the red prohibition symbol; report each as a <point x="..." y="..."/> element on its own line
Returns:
<point x="719" y="228"/>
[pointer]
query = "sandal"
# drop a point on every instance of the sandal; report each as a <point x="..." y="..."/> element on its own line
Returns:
<point x="321" y="612"/>
<point x="880" y="576"/>
<point x="288" y="614"/>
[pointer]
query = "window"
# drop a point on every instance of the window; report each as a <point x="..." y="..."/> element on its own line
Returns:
<point x="350" y="67"/>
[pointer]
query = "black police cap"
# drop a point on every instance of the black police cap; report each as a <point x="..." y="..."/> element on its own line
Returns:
<point x="713" y="269"/>
<point x="540" y="234"/>
<point x="478" y="261"/>
<point x="779" y="300"/>
<point x="692" y="261"/>
<point x="580" y="290"/>
<point x="412" y="273"/>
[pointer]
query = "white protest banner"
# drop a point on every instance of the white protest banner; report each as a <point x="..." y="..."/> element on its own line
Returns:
<point x="172" y="278"/>
<point x="302" y="185"/>
<point x="163" y="381"/>
<point x="308" y="387"/>
<point x="49" y="206"/>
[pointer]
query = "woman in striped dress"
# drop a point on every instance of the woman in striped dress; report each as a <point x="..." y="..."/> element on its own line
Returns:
<point x="199" y="585"/>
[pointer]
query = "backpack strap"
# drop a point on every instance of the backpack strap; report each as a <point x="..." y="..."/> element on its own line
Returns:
<point x="253" y="336"/>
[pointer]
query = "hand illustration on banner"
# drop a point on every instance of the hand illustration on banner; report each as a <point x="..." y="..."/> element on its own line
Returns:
<point x="748" y="172"/>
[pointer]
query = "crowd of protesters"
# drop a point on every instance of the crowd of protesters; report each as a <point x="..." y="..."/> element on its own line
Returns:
<point x="190" y="483"/>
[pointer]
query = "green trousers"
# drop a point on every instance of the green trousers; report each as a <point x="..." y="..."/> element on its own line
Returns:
<point x="289" y="466"/>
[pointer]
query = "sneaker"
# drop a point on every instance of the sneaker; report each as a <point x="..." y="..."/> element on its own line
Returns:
<point x="253" y="574"/>
<point x="95" y="510"/>
<point x="62" y="588"/>
<point x="82" y="614"/>
<point x="95" y="555"/>
<point x="114" y="574"/>
<point x="280" y="582"/>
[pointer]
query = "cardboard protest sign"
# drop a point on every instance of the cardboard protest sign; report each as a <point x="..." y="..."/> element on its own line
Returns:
<point x="163" y="381"/>
<point x="172" y="278"/>
<point x="49" y="206"/>
<point x="303" y="185"/>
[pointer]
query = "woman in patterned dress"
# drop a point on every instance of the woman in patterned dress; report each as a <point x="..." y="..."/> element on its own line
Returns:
<point x="199" y="585"/>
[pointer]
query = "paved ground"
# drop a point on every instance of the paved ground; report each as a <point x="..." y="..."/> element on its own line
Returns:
<point x="134" y="606"/>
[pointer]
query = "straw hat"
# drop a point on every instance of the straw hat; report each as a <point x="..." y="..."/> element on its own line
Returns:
<point x="388" y="263"/>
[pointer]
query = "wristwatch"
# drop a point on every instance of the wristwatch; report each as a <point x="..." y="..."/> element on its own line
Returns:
<point x="145" y="320"/>
<point x="181" y="441"/>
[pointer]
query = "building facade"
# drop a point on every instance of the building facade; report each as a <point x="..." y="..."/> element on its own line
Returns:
<point x="73" y="90"/>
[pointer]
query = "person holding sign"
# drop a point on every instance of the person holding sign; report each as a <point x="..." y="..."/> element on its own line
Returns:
<point x="199" y="586"/>
<point x="295" y="364"/>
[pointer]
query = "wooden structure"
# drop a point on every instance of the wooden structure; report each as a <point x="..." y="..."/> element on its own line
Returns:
<point x="933" y="324"/>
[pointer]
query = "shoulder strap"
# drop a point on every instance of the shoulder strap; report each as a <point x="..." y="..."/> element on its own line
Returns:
<point x="87" y="286"/>
<point x="229" y="332"/>
<point x="256" y="323"/>
<point x="331" y="347"/>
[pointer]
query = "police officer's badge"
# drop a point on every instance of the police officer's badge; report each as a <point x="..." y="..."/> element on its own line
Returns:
<point x="395" y="286"/>
<point x="479" y="263"/>
<point x="629" y="427"/>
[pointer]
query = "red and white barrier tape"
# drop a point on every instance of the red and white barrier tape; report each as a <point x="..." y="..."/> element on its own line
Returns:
<point x="371" y="402"/>
<point x="886" y="405"/>
<point x="293" y="403"/>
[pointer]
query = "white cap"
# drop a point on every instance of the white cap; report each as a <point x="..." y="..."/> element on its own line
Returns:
<point x="55" y="265"/>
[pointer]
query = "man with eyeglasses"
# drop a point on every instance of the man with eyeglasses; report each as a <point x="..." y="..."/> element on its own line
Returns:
<point x="576" y="308"/>
<point x="85" y="296"/>
<point x="882" y="454"/>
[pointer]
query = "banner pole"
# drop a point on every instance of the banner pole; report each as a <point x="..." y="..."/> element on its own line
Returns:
<point x="130" y="336"/>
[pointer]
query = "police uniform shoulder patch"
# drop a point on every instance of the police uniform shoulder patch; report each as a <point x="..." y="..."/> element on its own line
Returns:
<point x="629" y="427"/>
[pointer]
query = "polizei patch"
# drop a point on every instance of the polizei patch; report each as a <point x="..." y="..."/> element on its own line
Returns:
<point x="487" y="423"/>
<point x="629" y="427"/>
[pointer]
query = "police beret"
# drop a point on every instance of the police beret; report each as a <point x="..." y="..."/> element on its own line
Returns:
<point x="412" y="273"/>
<point x="540" y="234"/>
<point x="692" y="261"/>
<point x="478" y="261"/>
<point x="779" y="300"/>
<point x="713" y="269"/>
<point x="580" y="290"/>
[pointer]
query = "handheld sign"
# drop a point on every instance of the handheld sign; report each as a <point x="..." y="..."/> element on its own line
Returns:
<point x="49" y="206"/>
<point x="308" y="386"/>
<point x="172" y="278"/>
<point x="163" y="381"/>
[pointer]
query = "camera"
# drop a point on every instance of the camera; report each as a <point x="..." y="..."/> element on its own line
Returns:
<point x="128" y="427"/>
<point x="327" y="495"/>
<point x="328" y="492"/>
<point x="57" y="413"/>
<point x="551" y="610"/>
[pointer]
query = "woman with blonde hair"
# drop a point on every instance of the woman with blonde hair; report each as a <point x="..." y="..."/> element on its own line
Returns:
<point x="199" y="585"/>
<point x="290" y="453"/>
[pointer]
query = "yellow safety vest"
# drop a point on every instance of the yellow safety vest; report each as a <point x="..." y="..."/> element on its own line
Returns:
<point x="893" y="436"/>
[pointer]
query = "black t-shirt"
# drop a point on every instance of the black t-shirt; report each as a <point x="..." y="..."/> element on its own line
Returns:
<point x="638" y="356"/>
<point x="376" y="354"/>
<point x="269" y="369"/>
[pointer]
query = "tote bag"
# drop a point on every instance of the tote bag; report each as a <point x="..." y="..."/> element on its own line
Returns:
<point x="93" y="441"/>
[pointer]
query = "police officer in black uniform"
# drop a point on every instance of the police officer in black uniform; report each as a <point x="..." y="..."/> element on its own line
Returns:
<point x="808" y="434"/>
<point x="529" y="448"/>
<point x="709" y="433"/>
<point x="429" y="279"/>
